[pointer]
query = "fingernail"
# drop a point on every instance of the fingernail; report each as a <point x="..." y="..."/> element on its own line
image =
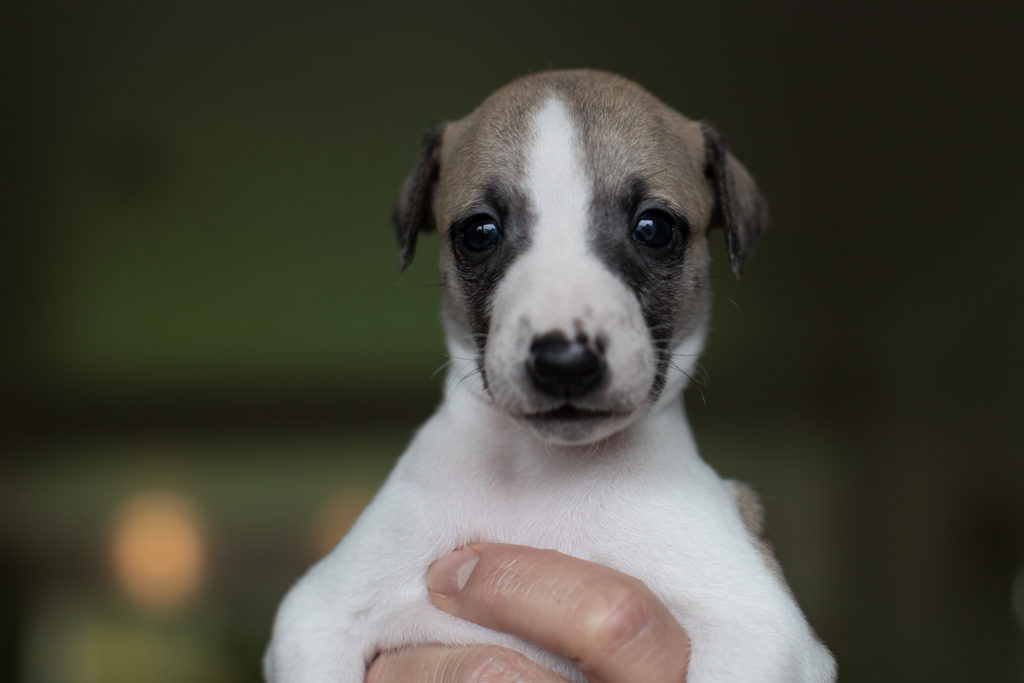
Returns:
<point x="449" y="574"/>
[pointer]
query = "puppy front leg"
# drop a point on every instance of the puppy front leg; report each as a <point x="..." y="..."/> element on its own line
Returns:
<point x="333" y="620"/>
<point x="324" y="629"/>
<point x="316" y="637"/>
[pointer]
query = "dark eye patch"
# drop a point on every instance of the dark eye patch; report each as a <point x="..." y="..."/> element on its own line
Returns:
<point x="484" y="242"/>
<point x="644" y="242"/>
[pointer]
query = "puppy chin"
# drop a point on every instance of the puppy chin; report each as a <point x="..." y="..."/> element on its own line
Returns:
<point x="573" y="427"/>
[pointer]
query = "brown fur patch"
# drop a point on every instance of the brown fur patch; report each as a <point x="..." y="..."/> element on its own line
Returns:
<point x="752" y="512"/>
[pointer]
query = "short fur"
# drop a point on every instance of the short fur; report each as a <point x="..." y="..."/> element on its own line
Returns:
<point x="565" y="163"/>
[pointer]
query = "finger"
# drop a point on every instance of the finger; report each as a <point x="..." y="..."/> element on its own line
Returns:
<point x="610" y="623"/>
<point x="471" y="664"/>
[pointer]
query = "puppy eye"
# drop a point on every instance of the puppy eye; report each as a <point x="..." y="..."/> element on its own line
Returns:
<point x="480" y="233"/>
<point x="653" y="229"/>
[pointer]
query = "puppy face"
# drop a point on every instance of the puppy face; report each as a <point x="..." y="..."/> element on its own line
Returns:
<point x="573" y="209"/>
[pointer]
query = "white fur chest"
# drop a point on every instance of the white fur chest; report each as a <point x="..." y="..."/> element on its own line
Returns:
<point x="657" y="513"/>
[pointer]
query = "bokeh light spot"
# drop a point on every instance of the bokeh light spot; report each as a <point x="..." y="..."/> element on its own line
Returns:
<point x="158" y="552"/>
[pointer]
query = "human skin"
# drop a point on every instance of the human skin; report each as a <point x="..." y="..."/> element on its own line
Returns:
<point x="610" y="623"/>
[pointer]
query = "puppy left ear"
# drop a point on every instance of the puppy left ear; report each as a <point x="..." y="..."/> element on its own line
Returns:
<point x="739" y="206"/>
<point x="414" y="210"/>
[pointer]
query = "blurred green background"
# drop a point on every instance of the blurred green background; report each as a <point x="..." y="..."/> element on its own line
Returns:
<point x="211" y="360"/>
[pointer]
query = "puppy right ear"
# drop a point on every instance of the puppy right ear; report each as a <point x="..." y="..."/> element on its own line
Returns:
<point x="414" y="211"/>
<point x="740" y="208"/>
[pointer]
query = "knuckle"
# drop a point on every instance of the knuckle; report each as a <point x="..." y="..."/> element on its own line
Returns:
<point x="491" y="665"/>
<point x="619" y="620"/>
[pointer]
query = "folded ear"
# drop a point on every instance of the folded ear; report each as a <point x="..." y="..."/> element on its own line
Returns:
<point x="739" y="206"/>
<point x="414" y="210"/>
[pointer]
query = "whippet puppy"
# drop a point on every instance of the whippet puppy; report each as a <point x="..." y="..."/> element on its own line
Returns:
<point x="573" y="210"/>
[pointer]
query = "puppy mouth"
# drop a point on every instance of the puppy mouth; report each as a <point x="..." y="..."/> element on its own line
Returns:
<point x="570" y="424"/>
<point x="570" y="413"/>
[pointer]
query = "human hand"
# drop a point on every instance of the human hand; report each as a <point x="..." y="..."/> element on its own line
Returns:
<point x="611" y="624"/>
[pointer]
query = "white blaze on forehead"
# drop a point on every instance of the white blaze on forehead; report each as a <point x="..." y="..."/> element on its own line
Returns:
<point x="559" y="282"/>
<point x="559" y="275"/>
<point x="556" y="183"/>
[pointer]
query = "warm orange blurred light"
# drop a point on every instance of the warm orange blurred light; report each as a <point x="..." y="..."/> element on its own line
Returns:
<point x="158" y="549"/>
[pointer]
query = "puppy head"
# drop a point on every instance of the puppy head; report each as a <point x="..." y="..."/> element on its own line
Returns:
<point x="573" y="209"/>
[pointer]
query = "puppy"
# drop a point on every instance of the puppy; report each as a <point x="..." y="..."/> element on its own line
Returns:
<point x="573" y="209"/>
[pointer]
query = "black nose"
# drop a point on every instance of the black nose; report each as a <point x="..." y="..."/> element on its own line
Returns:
<point x="563" y="368"/>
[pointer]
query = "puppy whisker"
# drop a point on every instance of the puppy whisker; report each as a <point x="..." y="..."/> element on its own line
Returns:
<point x="466" y="376"/>
<point x="699" y="388"/>
<point x="440" y="368"/>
